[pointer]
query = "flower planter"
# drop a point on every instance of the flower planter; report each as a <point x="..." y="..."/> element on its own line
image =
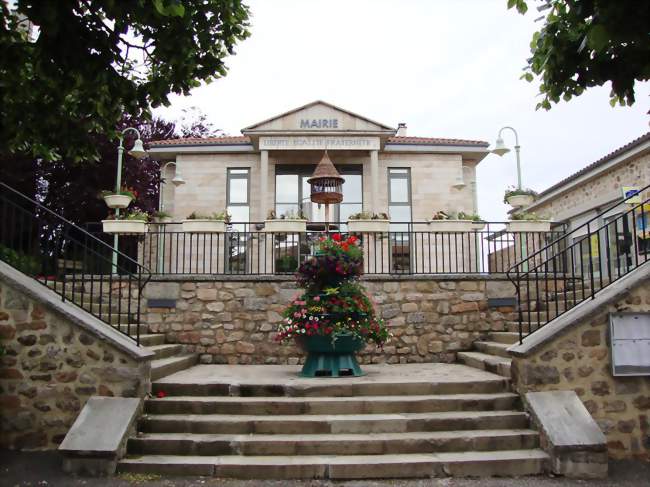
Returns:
<point x="128" y="227"/>
<point x="286" y="225"/>
<point x="204" y="226"/>
<point x="451" y="225"/>
<point x="329" y="356"/>
<point x="117" y="200"/>
<point x="478" y="226"/>
<point x="164" y="219"/>
<point x="520" y="200"/>
<point x="529" y="226"/>
<point x="368" y="226"/>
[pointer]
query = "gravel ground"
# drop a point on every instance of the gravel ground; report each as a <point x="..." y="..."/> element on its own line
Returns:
<point x="43" y="469"/>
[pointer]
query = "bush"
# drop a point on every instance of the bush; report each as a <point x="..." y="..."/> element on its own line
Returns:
<point x="27" y="264"/>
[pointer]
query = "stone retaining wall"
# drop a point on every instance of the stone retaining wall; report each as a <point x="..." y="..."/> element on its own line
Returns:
<point x="580" y="360"/>
<point x="49" y="369"/>
<point x="235" y="321"/>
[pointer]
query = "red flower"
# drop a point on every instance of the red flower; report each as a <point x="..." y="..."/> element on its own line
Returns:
<point x="345" y="246"/>
<point x="336" y="237"/>
<point x="161" y="394"/>
<point x="352" y="239"/>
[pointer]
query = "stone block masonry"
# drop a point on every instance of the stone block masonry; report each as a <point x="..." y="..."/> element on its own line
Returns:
<point x="579" y="359"/>
<point x="235" y="321"/>
<point x="51" y="366"/>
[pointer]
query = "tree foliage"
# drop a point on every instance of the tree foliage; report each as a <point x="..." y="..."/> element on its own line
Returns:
<point x="70" y="69"/>
<point x="585" y="43"/>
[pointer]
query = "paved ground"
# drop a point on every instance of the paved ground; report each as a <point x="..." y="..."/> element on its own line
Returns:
<point x="288" y="375"/>
<point x="44" y="470"/>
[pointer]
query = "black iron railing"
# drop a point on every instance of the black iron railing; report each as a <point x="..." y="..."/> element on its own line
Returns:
<point x="406" y="248"/>
<point x="71" y="262"/>
<point x="579" y="264"/>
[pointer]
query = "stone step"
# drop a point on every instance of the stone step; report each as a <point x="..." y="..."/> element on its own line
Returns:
<point x="151" y="339"/>
<point x="492" y="348"/>
<point x="513" y="326"/>
<point x="323" y="424"/>
<point x="166" y="366"/>
<point x="504" y="337"/>
<point x="491" y="363"/>
<point x="332" y="444"/>
<point x="325" y="388"/>
<point x="166" y="350"/>
<point x="464" y="464"/>
<point x="330" y="405"/>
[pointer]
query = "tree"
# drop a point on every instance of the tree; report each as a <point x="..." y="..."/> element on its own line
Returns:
<point x="585" y="43"/>
<point x="70" y="69"/>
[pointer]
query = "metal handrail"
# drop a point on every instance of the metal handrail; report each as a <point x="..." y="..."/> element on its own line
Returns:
<point x="24" y="220"/>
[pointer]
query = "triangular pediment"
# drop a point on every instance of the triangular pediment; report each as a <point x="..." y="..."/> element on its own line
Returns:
<point x="318" y="116"/>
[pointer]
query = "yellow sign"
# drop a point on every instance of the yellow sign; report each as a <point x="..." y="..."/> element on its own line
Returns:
<point x="633" y="194"/>
<point x="594" y="246"/>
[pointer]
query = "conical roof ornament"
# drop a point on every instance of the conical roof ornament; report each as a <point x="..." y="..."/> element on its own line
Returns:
<point x="326" y="183"/>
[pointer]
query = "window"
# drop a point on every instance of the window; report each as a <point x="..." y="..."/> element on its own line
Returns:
<point x="238" y="195"/>
<point x="399" y="208"/>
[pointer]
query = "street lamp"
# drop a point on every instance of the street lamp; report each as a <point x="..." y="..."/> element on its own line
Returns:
<point x="138" y="152"/>
<point x="500" y="149"/>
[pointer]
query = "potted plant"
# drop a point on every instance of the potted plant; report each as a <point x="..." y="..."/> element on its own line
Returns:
<point x="519" y="197"/>
<point x="213" y="223"/>
<point x="366" y="222"/>
<point x="120" y="199"/>
<point x="477" y="222"/>
<point x="528" y="222"/>
<point x="129" y="222"/>
<point x="442" y="221"/>
<point x="333" y="318"/>
<point x="289" y="222"/>
<point x="161" y="217"/>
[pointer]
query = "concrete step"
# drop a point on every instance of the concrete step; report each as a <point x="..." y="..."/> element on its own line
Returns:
<point x="323" y="387"/>
<point x="151" y="339"/>
<point x="340" y="424"/>
<point x="166" y="366"/>
<point x="513" y="326"/>
<point x="166" y="350"/>
<point x="491" y="363"/>
<point x="332" y="444"/>
<point x="503" y="337"/>
<point x="473" y="464"/>
<point x="492" y="348"/>
<point x="330" y="405"/>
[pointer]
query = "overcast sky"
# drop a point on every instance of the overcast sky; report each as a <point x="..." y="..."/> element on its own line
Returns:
<point x="448" y="68"/>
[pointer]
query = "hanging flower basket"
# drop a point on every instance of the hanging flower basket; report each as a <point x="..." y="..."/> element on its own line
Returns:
<point x="125" y="227"/>
<point x="368" y="226"/>
<point x="451" y="225"/>
<point x="529" y="226"/>
<point x="120" y="201"/>
<point x="285" y="225"/>
<point x="520" y="200"/>
<point x="204" y="225"/>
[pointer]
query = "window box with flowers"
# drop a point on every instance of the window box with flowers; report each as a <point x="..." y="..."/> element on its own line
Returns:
<point x="528" y="222"/>
<point x="368" y="223"/>
<point x="214" y="223"/>
<point x="334" y="318"/>
<point x="289" y="222"/>
<point x="448" y="222"/>
<point x="128" y="223"/>
<point x="122" y="199"/>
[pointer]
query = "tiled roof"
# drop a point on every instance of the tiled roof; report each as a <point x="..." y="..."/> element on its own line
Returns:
<point x="244" y="140"/>
<point x="630" y="145"/>
<point x="434" y="141"/>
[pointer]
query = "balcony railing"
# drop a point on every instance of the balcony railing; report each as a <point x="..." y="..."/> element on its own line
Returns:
<point x="407" y="248"/>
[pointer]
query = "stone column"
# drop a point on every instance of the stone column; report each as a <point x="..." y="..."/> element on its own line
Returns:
<point x="374" y="181"/>
<point x="264" y="184"/>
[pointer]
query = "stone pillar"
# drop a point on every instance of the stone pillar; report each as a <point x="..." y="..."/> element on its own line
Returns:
<point x="374" y="181"/>
<point x="264" y="184"/>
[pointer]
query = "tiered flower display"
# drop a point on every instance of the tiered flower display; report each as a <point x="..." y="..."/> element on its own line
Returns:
<point x="334" y="303"/>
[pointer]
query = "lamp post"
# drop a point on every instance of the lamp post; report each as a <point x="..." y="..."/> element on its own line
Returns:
<point x="176" y="181"/>
<point x="136" y="151"/>
<point x="500" y="149"/>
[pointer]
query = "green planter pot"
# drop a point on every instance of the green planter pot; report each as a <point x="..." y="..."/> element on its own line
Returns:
<point x="327" y="358"/>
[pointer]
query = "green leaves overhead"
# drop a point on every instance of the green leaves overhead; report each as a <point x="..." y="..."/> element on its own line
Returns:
<point x="588" y="43"/>
<point x="83" y="64"/>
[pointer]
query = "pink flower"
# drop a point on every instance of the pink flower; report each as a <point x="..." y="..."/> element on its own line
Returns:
<point x="317" y="298"/>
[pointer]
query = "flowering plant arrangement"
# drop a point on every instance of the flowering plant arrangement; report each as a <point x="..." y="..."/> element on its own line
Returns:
<point x="334" y="302"/>
<point x="133" y="214"/>
<point x="124" y="191"/>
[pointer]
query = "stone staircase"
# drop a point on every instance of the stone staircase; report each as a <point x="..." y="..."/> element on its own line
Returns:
<point x="169" y="358"/>
<point x="399" y="421"/>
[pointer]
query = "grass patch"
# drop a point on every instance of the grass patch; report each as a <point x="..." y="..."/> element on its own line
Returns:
<point x="138" y="478"/>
